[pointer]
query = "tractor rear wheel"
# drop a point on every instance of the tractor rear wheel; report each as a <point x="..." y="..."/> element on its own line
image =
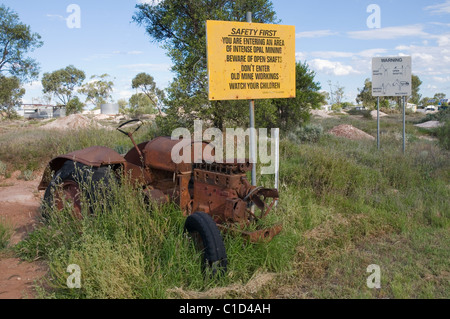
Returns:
<point x="208" y="240"/>
<point x="67" y="184"/>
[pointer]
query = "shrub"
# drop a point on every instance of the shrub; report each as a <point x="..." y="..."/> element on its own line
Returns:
<point x="74" y="106"/>
<point x="310" y="133"/>
<point x="5" y="234"/>
<point x="2" y="169"/>
<point x="365" y="113"/>
<point x="443" y="134"/>
<point x="442" y="115"/>
<point x="27" y="175"/>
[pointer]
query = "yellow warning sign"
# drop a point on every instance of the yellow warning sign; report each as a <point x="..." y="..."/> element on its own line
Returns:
<point x="250" y="60"/>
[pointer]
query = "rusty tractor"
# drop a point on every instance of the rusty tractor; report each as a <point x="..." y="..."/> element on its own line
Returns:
<point x="214" y="197"/>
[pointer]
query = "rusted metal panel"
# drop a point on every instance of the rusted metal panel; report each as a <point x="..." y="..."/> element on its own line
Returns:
<point x="133" y="155"/>
<point x="137" y="174"/>
<point x="95" y="156"/>
<point x="158" y="154"/>
<point x="185" y="200"/>
<point x="261" y="235"/>
<point x="70" y="192"/>
<point x="156" y="196"/>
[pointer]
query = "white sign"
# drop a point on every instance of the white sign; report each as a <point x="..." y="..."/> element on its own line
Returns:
<point x="391" y="76"/>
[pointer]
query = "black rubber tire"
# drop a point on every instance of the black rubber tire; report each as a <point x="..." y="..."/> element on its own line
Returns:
<point x="81" y="175"/>
<point x="213" y="248"/>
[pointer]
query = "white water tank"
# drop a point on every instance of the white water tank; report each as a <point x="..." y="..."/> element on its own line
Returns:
<point x="110" y="108"/>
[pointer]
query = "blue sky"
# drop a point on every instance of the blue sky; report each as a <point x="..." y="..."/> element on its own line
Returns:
<point x="333" y="37"/>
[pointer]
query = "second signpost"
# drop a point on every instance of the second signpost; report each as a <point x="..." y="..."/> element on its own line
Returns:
<point x="391" y="77"/>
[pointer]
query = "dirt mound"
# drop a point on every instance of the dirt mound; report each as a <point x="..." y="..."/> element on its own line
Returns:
<point x="374" y="114"/>
<point x="321" y="113"/>
<point x="429" y="124"/>
<point x="100" y="117"/>
<point x="350" y="132"/>
<point x="72" y="122"/>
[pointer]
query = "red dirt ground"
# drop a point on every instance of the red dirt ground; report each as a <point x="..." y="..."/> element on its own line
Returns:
<point x="19" y="207"/>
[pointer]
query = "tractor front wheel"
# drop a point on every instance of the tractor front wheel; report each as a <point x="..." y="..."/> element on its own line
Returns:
<point x="208" y="239"/>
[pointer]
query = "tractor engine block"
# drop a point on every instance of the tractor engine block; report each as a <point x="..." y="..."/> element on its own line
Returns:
<point x="220" y="190"/>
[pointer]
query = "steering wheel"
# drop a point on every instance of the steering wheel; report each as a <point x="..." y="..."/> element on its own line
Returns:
<point x="128" y="122"/>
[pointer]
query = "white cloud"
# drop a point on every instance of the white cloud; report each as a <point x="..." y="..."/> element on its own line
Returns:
<point x="389" y="33"/>
<point x="370" y="53"/>
<point x="300" y="56"/>
<point x="124" y="94"/>
<point x="332" y="67"/>
<point x="342" y="54"/>
<point x="447" y="25"/>
<point x="135" y="52"/>
<point x="315" y="34"/>
<point x="442" y="79"/>
<point x="331" y="54"/>
<point x="56" y="17"/>
<point x="428" y="60"/>
<point x="442" y="8"/>
<point x="128" y="52"/>
<point x="35" y="85"/>
<point x="150" y="2"/>
<point x="102" y="56"/>
<point x="423" y="58"/>
<point x="98" y="56"/>
<point x="442" y="39"/>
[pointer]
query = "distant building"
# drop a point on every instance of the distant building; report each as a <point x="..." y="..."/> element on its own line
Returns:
<point x="41" y="111"/>
<point x="411" y="107"/>
<point x="110" y="108"/>
<point x="326" y="108"/>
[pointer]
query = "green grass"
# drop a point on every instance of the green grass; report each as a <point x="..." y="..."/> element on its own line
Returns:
<point x="2" y="169"/>
<point x="413" y="265"/>
<point x="132" y="250"/>
<point x="347" y="199"/>
<point x="31" y="148"/>
<point x="6" y="232"/>
<point x="344" y="205"/>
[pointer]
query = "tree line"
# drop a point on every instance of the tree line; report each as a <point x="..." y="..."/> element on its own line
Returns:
<point x="64" y="85"/>
<point x="365" y="96"/>
<point x="179" y="26"/>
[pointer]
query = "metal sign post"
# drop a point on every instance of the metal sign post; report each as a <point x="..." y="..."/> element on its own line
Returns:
<point x="378" y="122"/>
<point x="277" y="159"/>
<point x="253" y="157"/>
<point x="404" y="125"/>
<point x="252" y="127"/>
